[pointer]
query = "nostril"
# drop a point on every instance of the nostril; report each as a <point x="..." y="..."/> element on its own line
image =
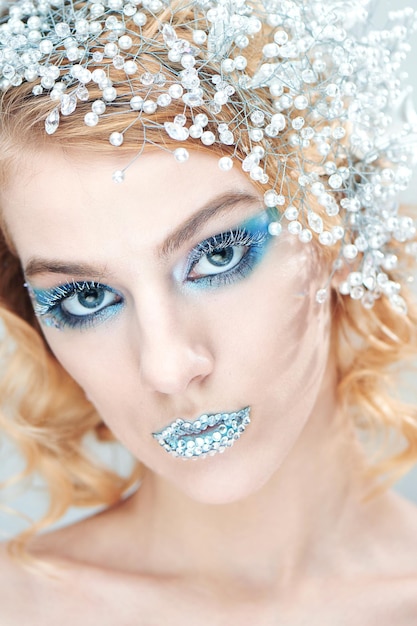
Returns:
<point x="173" y="369"/>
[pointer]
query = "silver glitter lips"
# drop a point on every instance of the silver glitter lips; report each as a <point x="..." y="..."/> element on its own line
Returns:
<point x="206" y="436"/>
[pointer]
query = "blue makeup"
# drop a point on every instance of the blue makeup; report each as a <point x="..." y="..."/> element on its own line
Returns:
<point x="230" y="256"/>
<point x="220" y="260"/>
<point x="80" y="304"/>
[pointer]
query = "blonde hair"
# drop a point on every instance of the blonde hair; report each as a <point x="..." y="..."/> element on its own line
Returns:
<point x="50" y="419"/>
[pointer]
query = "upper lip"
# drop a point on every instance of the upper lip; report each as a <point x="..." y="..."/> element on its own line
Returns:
<point x="200" y="424"/>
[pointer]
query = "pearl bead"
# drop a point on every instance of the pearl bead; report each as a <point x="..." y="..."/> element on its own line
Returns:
<point x="91" y="119"/>
<point x="125" y="42"/>
<point x="181" y="155"/>
<point x="140" y="19"/>
<point x="116" y="139"/>
<point x="109" y="94"/>
<point x="118" y="176"/>
<point x="130" y="67"/>
<point x="136" y="103"/>
<point x="275" y="229"/>
<point x="149" y="106"/>
<point x="199" y="37"/>
<point x="208" y="138"/>
<point x="98" y="107"/>
<point x="225" y="164"/>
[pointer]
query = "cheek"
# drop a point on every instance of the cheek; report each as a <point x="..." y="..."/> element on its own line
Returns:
<point x="100" y="365"/>
<point x="272" y="330"/>
<point x="88" y="357"/>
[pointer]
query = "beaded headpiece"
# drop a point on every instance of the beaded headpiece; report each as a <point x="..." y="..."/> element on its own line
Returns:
<point x="313" y="95"/>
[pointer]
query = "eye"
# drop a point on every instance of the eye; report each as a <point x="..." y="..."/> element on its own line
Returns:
<point x="87" y="301"/>
<point x="227" y="257"/>
<point x="75" y="305"/>
<point x="219" y="261"/>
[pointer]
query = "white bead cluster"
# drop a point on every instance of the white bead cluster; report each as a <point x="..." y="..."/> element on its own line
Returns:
<point x="324" y="102"/>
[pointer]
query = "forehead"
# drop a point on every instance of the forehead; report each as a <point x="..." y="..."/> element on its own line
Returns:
<point x="68" y="199"/>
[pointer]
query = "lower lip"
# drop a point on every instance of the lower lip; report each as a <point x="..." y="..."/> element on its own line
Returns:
<point x="206" y="436"/>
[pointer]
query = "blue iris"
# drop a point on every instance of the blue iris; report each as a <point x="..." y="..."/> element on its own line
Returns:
<point x="230" y="256"/>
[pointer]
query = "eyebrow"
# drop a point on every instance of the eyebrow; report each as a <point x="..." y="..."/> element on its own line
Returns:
<point x="37" y="266"/>
<point x="190" y="228"/>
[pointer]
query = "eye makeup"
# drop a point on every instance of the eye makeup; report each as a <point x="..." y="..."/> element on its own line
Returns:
<point x="229" y="256"/>
<point x="222" y="259"/>
<point x="75" y="304"/>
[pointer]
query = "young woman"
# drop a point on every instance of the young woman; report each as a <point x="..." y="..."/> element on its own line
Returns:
<point x="203" y="259"/>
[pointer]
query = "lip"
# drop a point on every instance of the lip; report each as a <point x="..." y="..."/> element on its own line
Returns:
<point x="207" y="435"/>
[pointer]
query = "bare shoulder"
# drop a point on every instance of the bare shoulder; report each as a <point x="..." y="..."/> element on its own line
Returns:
<point x="12" y="575"/>
<point x="402" y="528"/>
<point x="49" y="581"/>
<point x="398" y="585"/>
<point x="16" y="590"/>
<point x="396" y="601"/>
<point x="51" y="592"/>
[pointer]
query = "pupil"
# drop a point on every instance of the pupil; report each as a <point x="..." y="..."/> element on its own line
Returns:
<point x="221" y="257"/>
<point x="91" y="298"/>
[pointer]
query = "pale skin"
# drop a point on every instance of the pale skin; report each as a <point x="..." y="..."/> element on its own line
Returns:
<point x="274" y="531"/>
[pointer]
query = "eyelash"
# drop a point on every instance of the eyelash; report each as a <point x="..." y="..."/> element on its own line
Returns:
<point x="48" y="303"/>
<point x="241" y="237"/>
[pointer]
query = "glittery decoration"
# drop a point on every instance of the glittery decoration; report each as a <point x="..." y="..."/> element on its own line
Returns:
<point x="324" y="103"/>
<point x="206" y="436"/>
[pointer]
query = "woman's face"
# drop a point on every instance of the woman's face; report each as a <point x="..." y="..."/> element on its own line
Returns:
<point x="165" y="297"/>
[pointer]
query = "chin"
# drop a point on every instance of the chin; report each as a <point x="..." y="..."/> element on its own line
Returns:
<point x="220" y="479"/>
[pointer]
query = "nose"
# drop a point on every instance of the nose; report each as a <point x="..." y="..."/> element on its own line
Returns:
<point x="171" y="353"/>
